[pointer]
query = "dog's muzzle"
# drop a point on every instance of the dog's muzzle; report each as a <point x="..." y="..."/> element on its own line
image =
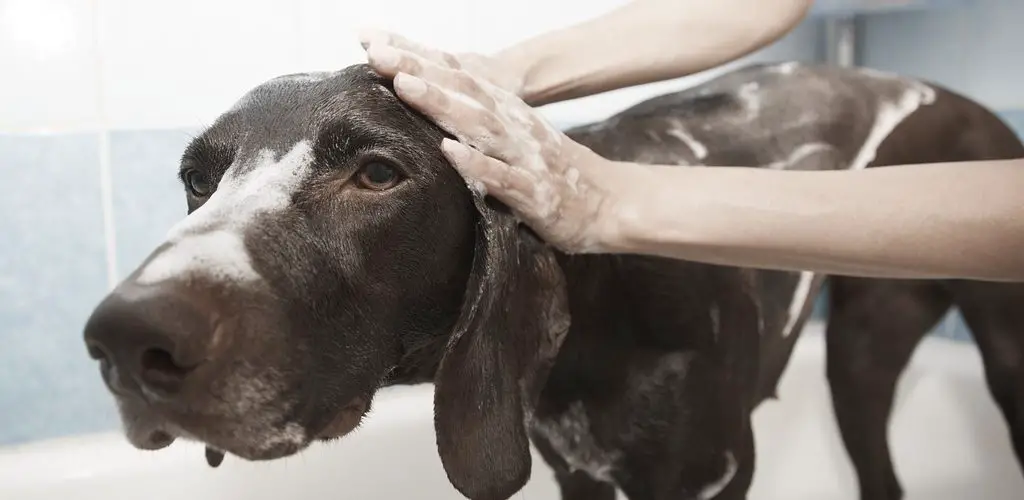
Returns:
<point x="149" y="340"/>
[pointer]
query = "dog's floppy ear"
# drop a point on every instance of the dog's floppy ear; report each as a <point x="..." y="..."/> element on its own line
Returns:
<point x="513" y="320"/>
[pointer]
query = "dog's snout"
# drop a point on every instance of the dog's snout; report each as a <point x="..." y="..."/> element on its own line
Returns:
<point x="147" y="341"/>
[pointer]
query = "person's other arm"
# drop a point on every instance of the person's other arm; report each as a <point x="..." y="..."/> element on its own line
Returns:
<point x="646" y="41"/>
<point x="641" y="42"/>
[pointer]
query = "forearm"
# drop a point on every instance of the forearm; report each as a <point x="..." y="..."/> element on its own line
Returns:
<point x="961" y="220"/>
<point x="647" y="41"/>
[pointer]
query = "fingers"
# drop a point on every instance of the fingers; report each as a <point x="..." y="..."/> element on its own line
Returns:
<point x="511" y="185"/>
<point x="389" y="61"/>
<point x="458" y="115"/>
<point x="371" y="37"/>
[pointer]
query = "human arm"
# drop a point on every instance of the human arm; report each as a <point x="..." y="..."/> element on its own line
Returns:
<point x="943" y="220"/>
<point x="640" y="42"/>
<point x="646" y="41"/>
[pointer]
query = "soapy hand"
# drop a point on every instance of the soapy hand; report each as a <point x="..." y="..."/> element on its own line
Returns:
<point x="551" y="183"/>
<point x="479" y="65"/>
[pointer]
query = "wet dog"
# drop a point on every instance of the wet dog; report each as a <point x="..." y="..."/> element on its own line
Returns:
<point x="330" y="251"/>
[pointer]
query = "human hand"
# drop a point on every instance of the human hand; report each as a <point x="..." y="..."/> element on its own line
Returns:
<point x="503" y="74"/>
<point x="553" y="184"/>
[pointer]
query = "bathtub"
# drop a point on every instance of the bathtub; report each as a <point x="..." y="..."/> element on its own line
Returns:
<point x="948" y="439"/>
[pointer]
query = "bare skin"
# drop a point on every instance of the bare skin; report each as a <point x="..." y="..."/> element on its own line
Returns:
<point x="891" y="222"/>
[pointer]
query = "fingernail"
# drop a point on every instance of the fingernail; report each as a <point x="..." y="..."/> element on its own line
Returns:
<point x="454" y="150"/>
<point x="384" y="56"/>
<point x="410" y="85"/>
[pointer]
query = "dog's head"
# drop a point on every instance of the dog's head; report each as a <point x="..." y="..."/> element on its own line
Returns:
<point x="330" y="250"/>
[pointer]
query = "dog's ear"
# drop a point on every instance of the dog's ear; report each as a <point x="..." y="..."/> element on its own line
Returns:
<point x="513" y="320"/>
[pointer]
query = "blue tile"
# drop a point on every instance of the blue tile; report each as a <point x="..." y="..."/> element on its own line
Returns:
<point x="148" y="198"/>
<point x="52" y="272"/>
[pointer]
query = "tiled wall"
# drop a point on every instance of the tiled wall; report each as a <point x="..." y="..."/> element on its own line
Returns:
<point x="96" y="112"/>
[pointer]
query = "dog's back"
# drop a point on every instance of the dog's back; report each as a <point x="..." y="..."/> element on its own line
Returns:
<point x="794" y="117"/>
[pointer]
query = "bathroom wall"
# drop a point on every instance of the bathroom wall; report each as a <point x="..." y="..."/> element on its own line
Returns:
<point x="100" y="97"/>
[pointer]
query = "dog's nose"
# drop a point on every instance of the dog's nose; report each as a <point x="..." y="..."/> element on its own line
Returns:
<point x="148" y="340"/>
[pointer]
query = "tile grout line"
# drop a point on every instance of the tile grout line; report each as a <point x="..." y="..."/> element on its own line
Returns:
<point x="103" y="151"/>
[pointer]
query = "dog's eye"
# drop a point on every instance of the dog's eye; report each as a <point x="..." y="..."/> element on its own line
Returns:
<point x="378" y="176"/>
<point x="197" y="183"/>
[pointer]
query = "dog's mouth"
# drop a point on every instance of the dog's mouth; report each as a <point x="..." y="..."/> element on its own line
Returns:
<point x="147" y="431"/>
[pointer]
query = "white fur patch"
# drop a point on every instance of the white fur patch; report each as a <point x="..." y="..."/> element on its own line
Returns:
<point x="569" y="434"/>
<point x="678" y="131"/>
<point x="712" y="490"/>
<point x="801" y="153"/>
<point x="888" y="117"/>
<point x="292" y="434"/>
<point x="749" y="93"/>
<point x="786" y="68"/>
<point x="210" y="241"/>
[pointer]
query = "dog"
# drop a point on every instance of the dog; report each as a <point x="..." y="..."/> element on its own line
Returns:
<point x="330" y="250"/>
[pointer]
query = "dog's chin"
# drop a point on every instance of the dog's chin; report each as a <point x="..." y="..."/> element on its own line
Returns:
<point x="350" y="416"/>
<point x="147" y="430"/>
<point x="258" y="446"/>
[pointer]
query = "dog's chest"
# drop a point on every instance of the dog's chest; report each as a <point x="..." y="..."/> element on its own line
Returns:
<point x="571" y="436"/>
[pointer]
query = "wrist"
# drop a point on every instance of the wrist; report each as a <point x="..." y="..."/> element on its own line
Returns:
<point x="622" y="219"/>
<point x="546" y="73"/>
<point x="621" y="227"/>
<point x="522" y="63"/>
<point x="655" y="207"/>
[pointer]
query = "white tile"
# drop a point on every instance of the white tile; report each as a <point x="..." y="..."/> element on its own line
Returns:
<point x="183" y="62"/>
<point x="48" y="66"/>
